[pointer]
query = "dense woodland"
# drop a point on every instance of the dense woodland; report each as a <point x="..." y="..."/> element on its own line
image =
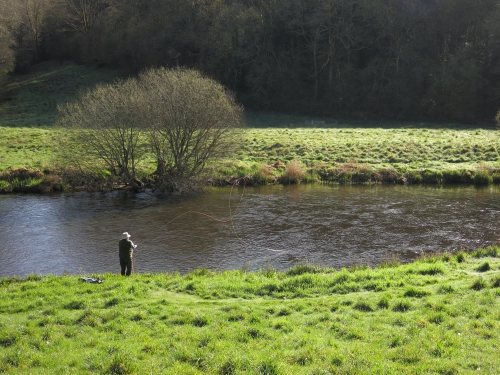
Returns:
<point x="433" y="60"/>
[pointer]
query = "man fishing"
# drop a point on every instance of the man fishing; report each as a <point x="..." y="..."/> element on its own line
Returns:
<point x="126" y="251"/>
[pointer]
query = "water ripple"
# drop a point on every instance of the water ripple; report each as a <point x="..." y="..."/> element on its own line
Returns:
<point x="274" y="227"/>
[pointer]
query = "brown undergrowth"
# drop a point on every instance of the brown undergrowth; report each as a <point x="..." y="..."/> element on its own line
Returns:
<point x="29" y="181"/>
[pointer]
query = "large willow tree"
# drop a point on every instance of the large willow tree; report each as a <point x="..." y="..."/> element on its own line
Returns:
<point x="181" y="118"/>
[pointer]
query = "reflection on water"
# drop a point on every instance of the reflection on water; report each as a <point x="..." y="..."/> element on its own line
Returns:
<point x="272" y="226"/>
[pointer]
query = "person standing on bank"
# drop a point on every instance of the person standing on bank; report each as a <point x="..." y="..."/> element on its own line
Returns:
<point x="126" y="251"/>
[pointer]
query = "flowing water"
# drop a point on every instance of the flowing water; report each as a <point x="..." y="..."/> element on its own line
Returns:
<point x="253" y="228"/>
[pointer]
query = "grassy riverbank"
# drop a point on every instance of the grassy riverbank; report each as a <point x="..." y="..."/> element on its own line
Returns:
<point x="276" y="148"/>
<point x="346" y="152"/>
<point x="438" y="315"/>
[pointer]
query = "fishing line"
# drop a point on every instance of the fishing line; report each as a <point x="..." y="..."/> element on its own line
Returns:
<point x="213" y="217"/>
<point x="231" y="214"/>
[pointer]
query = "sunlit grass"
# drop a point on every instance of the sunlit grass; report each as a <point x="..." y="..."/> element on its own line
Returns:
<point x="437" y="315"/>
<point x="410" y="148"/>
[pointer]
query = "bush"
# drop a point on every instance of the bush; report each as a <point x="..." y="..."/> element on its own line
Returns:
<point x="5" y="187"/>
<point x="413" y="177"/>
<point x="312" y="177"/>
<point x="457" y="176"/>
<point x="432" y="177"/>
<point x="263" y="174"/>
<point x="345" y="178"/>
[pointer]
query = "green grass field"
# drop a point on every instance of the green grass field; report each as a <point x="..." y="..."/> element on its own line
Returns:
<point x="438" y="315"/>
<point x="327" y="149"/>
<point x="413" y="146"/>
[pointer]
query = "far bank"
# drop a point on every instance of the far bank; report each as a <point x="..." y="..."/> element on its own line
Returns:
<point x="280" y="149"/>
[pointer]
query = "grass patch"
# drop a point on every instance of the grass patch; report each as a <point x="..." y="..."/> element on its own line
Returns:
<point x="266" y="322"/>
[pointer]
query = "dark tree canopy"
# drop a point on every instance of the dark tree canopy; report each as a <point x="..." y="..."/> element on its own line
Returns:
<point x="434" y="60"/>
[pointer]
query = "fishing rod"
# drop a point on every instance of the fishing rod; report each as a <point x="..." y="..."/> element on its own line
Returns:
<point x="133" y="258"/>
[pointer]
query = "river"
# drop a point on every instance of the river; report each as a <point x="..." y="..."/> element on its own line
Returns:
<point x="248" y="228"/>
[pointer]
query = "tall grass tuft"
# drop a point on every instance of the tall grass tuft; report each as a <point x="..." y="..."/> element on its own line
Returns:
<point x="294" y="172"/>
<point x="363" y="306"/>
<point x="383" y="302"/>
<point x="416" y="293"/>
<point x="401" y="306"/>
<point x="263" y="174"/>
<point x="267" y="367"/>
<point x="302" y="269"/>
<point x="460" y="256"/>
<point x="496" y="282"/>
<point x="228" y="368"/>
<point x="484" y="267"/>
<point x="29" y="181"/>
<point x="121" y="365"/>
<point x="493" y="251"/>
<point x="482" y="178"/>
<point x="478" y="284"/>
<point x="483" y="174"/>
<point x="390" y="260"/>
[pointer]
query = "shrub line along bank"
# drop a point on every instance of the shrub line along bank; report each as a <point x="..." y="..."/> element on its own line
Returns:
<point x="22" y="180"/>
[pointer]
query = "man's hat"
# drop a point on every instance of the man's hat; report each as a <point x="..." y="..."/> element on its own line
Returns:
<point x="125" y="235"/>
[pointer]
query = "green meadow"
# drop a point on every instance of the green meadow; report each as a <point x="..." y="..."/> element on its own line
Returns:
<point x="437" y="315"/>
<point x="442" y="151"/>
<point x="320" y="149"/>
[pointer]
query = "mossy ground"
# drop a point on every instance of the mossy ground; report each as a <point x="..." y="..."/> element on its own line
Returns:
<point x="438" y="315"/>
